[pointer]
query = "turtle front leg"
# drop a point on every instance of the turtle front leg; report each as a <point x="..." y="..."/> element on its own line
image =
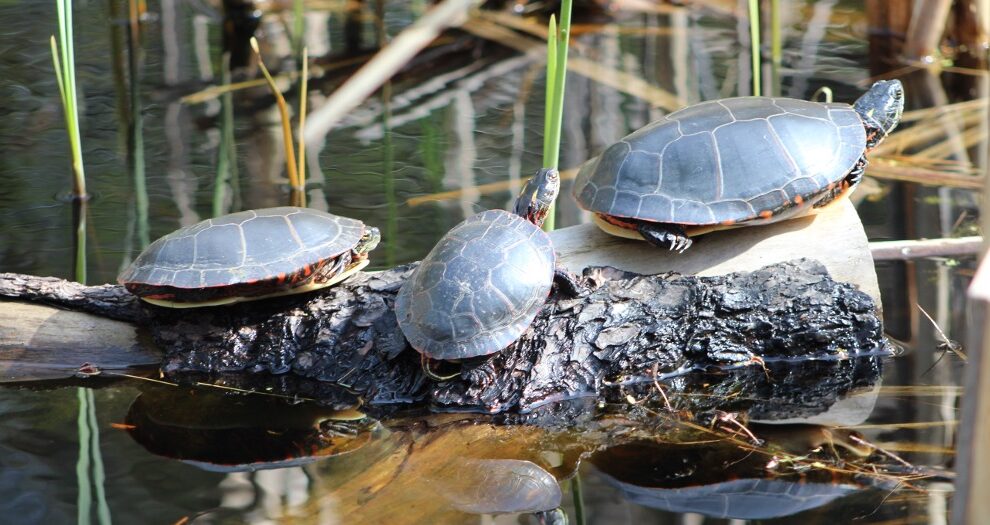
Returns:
<point x="665" y="235"/>
<point x="567" y="283"/>
<point x="856" y="174"/>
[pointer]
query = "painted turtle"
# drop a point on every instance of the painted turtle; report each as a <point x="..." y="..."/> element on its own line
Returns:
<point x="732" y="162"/>
<point x="249" y="255"/>
<point x="483" y="283"/>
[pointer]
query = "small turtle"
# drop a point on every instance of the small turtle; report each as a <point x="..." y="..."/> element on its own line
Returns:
<point x="734" y="162"/>
<point x="483" y="283"/>
<point x="249" y="255"/>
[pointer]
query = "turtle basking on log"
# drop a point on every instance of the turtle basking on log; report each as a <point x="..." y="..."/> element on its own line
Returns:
<point x="250" y="255"/>
<point x="734" y="162"/>
<point x="484" y="282"/>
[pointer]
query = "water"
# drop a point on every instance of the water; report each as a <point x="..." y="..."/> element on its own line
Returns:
<point x="464" y="122"/>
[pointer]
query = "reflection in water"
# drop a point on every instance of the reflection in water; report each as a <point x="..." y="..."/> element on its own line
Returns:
<point x="415" y="467"/>
<point x="498" y="486"/>
<point x="725" y="480"/>
<point x="224" y="433"/>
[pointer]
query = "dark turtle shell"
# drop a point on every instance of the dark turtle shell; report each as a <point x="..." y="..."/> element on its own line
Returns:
<point x="479" y="288"/>
<point x="726" y="161"/>
<point x="249" y="253"/>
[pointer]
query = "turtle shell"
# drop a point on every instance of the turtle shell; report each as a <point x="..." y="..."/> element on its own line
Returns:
<point x="249" y="253"/>
<point x="726" y="161"/>
<point x="479" y="288"/>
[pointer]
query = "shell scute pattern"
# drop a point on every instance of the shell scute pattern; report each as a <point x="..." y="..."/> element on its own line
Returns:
<point x="479" y="288"/>
<point x="725" y="161"/>
<point x="242" y="247"/>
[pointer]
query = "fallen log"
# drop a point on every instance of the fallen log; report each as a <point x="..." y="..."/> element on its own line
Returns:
<point x="629" y="328"/>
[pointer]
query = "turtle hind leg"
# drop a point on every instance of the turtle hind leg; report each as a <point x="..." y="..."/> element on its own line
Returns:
<point x="665" y="235"/>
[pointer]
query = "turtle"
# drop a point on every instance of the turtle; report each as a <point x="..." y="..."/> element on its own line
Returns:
<point x="250" y="255"/>
<point x="734" y="162"/>
<point x="484" y="282"/>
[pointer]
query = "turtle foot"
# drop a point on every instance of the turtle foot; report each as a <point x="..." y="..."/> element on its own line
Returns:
<point x="565" y="282"/>
<point x="670" y="236"/>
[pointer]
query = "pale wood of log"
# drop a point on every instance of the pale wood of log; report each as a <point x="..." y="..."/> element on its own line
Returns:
<point x="34" y="338"/>
<point x="835" y="237"/>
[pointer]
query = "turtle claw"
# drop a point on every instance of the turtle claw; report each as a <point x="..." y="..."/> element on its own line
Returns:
<point x="670" y="236"/>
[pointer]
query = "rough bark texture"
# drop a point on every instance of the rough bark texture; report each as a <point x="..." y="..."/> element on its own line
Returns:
<point x="628" y="329"/>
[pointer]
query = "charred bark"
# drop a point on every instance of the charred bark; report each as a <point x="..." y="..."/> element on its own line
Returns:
<point x="627" y="329"/>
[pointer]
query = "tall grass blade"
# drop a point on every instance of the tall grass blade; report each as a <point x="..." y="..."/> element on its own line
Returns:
<point x="226" y="161"/>
<point x="65" y="65"/>
<point x="84" y="491"/>
<point x="298" y="26"/>
<point x="99" y="472"/>
<point x="551" y="77"/>
<point x="561" y="39"/>
<point x="79" y="210"/>
<point x="754" y="39"/>
<point x="577" y="493"/>
<point x="304" y="84"/>
<point x="135" y="135"/>
<point x="776" y="46"/>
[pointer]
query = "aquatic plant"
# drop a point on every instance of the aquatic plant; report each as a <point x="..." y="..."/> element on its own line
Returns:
<point x="295" y="180"/>
<point x="63" y="57"/>
<point x="557" y="41"/>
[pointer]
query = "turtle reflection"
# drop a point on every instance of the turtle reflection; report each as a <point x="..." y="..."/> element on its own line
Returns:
<point x="227" y="433"/>
<point x="723" y="480"/>
<point x="499" y="486"/>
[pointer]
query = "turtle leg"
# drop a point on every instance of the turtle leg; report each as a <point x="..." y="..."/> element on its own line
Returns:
<point x="856" y="174"/>
<point x="567" y="283"/>
<point x="665" y="235"/>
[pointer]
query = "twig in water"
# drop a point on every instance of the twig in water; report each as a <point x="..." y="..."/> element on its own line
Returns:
<point x="947" y="345"/>
<point x="727" y="417"/>
<point x="887" y="453"/>
<point x="656" y="383"/>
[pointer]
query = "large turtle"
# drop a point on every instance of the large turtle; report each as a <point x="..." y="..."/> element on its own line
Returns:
<point x="249" y="255"/>
<point x="483" y="283"/>
<point x="736" y="161"/>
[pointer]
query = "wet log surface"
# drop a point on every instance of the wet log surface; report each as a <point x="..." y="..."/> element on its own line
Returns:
<point x="626" y="329"/>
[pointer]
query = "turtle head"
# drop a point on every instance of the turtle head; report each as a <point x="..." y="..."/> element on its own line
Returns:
<point x="368" y="241"/>
<point x="880" y="108"/>
<point x="534" y="201"/>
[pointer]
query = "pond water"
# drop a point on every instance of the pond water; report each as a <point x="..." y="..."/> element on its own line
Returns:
<point x="454" y="134"/>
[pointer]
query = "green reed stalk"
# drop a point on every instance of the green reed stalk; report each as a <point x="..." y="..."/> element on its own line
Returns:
<point x="577" y="493"/>
<point x="557" y="44"/>
<point x="226" y="161"/>
<point x="135" y="136"/>
<point x="298" y="26"/>
<point x="303" y="86"/>
<point x="99" y="471"/>
<point x="84" y="490"/>
<point x="754" y="39"/>
<point x="64" y="59"/>
<point x="776" y="46"/>
<point x="550" y="94"/>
